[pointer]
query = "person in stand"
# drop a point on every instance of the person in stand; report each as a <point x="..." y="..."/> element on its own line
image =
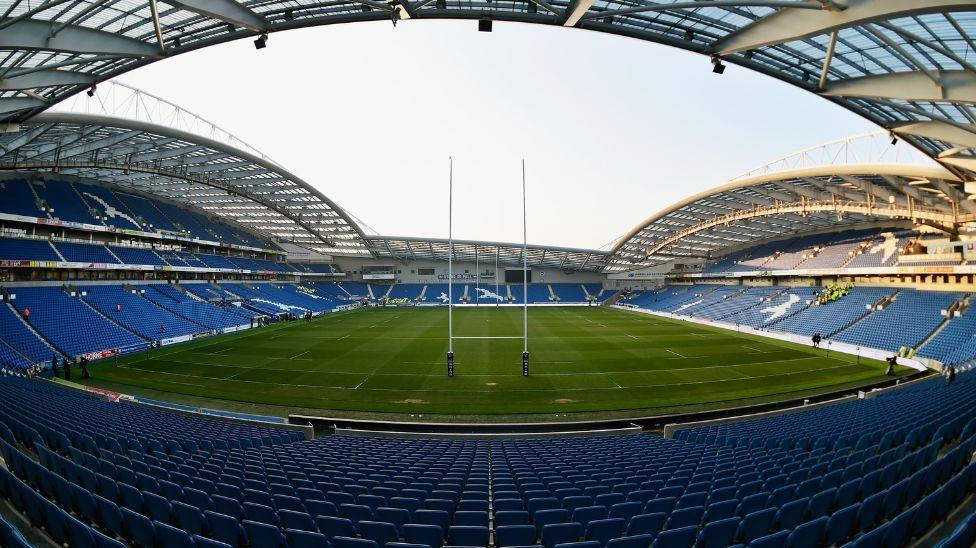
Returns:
<point x="54" y="365"/>
<point x="67" y="369"/>
<point x="951" y="375"/>
<point x="84" y="367"/>
<point x="27" y="315"/>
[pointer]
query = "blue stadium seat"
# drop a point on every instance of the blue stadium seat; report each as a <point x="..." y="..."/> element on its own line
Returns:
<point x="515" y="535"/>
<point x="560" y="533"/>
<point x="169" y="536"/>
<point x="676" y="538"/>
<point x="263" y="534"/>
<point x="467" y="535"/>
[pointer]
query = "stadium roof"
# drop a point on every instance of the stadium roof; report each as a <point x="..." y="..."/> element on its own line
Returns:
<point x="507" y="254"/>
<point x="794" y="201"/>
<point x="906" y="65"/>
<point x="187" y="160"/>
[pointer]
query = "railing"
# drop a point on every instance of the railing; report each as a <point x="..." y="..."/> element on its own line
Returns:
<point x="872" y="147"/>
<point x="124" y="101"/>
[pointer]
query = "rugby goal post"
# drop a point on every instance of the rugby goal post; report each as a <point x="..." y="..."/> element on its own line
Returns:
<point x="450" y="280"/>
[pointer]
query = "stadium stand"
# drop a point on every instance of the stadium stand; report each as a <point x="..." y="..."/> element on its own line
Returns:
<point x="827" y="319"/>
<point x="411" y="292"/>
<point x="569" y="293"/>
<point x="63" y="202"/>
<point x="71" y="325"/>
<point x="137" y="255"/>
<point x="127" y="307"/>
<point x="872" y="472"/>
<point x="199" y="312"/>
<point x="16" y="334"/>
<point x="907" y="321"/>
<point x="85" y="253"/>
<point x="18" y="249"/>
<point x="19" y="199"/>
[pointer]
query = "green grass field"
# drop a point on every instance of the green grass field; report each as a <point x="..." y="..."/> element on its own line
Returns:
<point x="393" y="361"/>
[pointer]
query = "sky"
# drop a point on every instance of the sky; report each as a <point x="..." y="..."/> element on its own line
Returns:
<point x="611" y="129"/>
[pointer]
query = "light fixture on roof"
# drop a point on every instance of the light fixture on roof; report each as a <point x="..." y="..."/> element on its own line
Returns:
<point x="395" y="14"/>
<point x="484" y="24"/>
<point x="261" y="42"/>
<point x="91" y="91"/>
<point x="894" y="138"/>
<point x="717" y="66"/>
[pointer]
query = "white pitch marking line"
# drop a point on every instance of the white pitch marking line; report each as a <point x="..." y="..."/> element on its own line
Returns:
<point x="675" y="353"/>
<point x="631" y="336"/>
<point x="756" y="350"/>
<point x="298" y="355"/>
<point x="342" y="337"/>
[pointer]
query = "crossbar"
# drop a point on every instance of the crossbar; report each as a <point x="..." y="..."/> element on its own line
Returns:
<point x="459" y="337"/>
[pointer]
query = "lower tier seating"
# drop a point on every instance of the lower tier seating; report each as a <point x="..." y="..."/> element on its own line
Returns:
<point x="92" y="473"/>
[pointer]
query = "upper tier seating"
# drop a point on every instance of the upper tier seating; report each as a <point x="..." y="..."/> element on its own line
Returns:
<point x="108" y="205"/>
<point x="16" y="249"/>
<point x="103" y="205"/>
<point x="70" y="324"/>
<point x="63" y="202"/>
<point x="147" y="213"/>
<point x="883" y="250"/>
<point x="838" y="251"/>
<point x="18" y="198"/>
<point x="795" y="251"/>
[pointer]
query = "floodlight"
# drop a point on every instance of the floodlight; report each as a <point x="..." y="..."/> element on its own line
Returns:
<point x="261" y="42"/>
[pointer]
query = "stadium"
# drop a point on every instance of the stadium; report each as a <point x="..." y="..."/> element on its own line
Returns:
<point x="201" y="348"/>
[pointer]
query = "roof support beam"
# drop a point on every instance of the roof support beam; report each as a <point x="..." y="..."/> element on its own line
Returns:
<point x="104" y="142"/>
<point x="40" y="35"/>
<point x="656" y="7"/>
<point x="25" y="138"/>
<point x="789" y="24"/>
<point x="942" y="131"/>
<point x="227" y="11"/>
<point x="46" y="78"/>
<point x="954" y="86"/>
<point x="576" y="10"/>
<point x="13" y="104"/>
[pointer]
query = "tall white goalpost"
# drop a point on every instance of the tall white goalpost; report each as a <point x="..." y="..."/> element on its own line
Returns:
<point x="450" y="279"/>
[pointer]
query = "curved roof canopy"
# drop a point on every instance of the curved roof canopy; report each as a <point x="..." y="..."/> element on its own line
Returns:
<point x="200" y="171"/>
<point x="907" y="65"/>
<point x="805" y="199"/>
<point x="487" y="253"/>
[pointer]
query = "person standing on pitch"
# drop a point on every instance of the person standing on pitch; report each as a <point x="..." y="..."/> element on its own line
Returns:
<point x="54" y="365"/>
